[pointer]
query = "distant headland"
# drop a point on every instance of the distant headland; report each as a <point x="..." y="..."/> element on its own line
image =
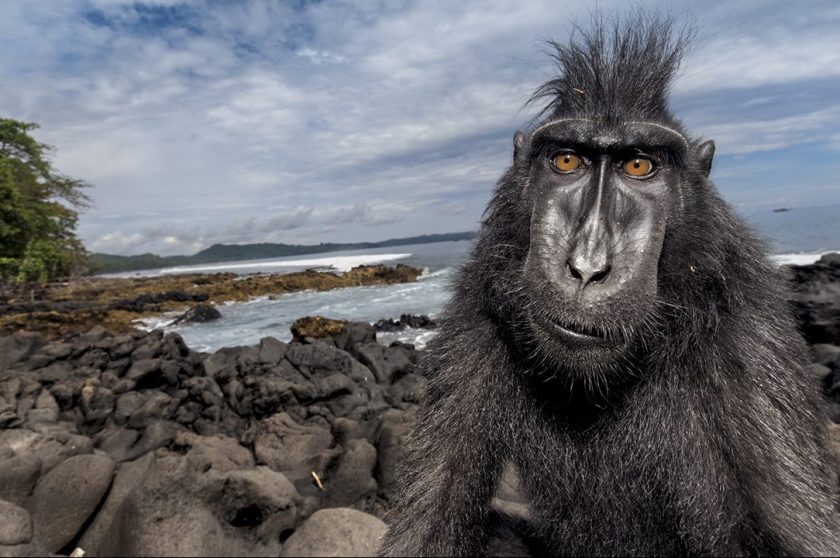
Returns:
<point x="109" y="263"/>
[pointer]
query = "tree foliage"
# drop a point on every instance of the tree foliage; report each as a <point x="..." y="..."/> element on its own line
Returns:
<point x="39" y="210"/>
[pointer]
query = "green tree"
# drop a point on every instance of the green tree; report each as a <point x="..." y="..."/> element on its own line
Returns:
<point x="38" y="209"/>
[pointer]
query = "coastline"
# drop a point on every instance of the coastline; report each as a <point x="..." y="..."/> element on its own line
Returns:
<point x="119" y="303"/>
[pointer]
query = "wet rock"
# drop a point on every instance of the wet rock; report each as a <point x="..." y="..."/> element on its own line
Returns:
<point x="406" y="320"/>
<point x="66" y="496"/>
<point x="199" y="313"/>
<point x="337" y="532"/>
<point x="18" y="476"/>
<point x="15" y="524"/>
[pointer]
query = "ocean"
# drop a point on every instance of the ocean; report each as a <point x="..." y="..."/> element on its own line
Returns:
<point x="797" y="236"/>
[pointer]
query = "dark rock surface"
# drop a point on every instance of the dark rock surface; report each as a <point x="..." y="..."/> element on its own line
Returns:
<point x="817" y="300"/>
<point x="66" y="496"/>
<point x="134" y="444"/>
<point x="199" y="313"/>
<point x="336" y="532"/>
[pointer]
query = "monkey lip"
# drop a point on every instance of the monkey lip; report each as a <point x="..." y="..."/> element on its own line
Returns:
<point x="573" y="332"/>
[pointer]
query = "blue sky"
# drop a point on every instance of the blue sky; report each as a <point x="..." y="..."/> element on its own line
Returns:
<point x="200" y="122"/>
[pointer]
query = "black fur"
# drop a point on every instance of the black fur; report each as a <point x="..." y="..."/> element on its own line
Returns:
<point x="707" y="438"/>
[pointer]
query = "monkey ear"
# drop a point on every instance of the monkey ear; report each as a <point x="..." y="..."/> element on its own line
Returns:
<point x="519" y="141"/>
<point x="705" y="154"/>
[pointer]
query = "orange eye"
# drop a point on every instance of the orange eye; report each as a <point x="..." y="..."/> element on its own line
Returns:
<point x="566" y="162"/>
<point x="638" y="167"/>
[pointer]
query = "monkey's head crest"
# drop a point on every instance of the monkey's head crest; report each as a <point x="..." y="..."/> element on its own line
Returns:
<point x="601" y="178"/>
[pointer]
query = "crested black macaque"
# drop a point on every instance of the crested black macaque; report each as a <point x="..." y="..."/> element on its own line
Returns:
<point x="620" y="337"/>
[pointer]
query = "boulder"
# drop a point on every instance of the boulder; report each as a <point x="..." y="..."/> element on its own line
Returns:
<point x="199" y="313"/>
<point x="393" y="436"/>
<point x="272" y="350"/>
<point x="51" y="449"/>
<point x="319" y="360"/>
<point x="353" y="334"/>
<point x="316" y="327"/>
<point x="176" y="510"/>
<point x="45" y="411"/>
<point x="157" y="406"/>
<point x="219" y="453"/>
<point x="18" y="476"/>
<point x="97" y="403"/>
<point x="15" y="524"/>
<point x="385" y="362"/>
<point x="128" y="476"/>
<point x="337" y="532"/>
<point x="352" y="483"/>
<point x="66" y="496"/>
<point x="145" y="371"/>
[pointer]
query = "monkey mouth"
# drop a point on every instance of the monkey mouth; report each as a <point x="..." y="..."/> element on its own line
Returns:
<point x="574" y="333"/>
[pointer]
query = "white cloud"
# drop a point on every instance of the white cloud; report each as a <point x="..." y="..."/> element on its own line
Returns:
<point x="259" y="121"/>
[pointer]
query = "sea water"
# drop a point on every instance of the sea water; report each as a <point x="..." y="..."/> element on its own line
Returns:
<point x="796" y="236"/>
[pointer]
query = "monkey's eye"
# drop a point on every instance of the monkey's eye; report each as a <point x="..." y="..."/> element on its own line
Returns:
<point x="638" y="167"/>
<point x="566" y="162"/>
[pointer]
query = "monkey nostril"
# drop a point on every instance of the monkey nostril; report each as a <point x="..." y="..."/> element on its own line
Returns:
<point x="599" y="276"/>
<point x="586" y="276"/>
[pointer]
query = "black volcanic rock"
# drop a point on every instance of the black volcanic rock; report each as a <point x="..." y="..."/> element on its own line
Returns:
<point x="406" y="320"/>
<point x="199" y="313"/>
<point x="817" y="299"/>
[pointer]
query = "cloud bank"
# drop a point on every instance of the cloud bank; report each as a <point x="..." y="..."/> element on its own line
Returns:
<point x="201" y="122"/>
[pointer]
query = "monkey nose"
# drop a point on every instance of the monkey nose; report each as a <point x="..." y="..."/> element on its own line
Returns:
<point x="588" y="271"/>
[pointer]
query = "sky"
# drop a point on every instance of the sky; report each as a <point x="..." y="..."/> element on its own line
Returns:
<point x="198" y="122"/>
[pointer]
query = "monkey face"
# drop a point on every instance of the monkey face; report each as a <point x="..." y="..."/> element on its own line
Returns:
<point x="601" y="199"/>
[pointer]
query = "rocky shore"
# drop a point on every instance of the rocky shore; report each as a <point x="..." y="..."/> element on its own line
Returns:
<point x="131" y="443"/>
<point x="116" y="303"/>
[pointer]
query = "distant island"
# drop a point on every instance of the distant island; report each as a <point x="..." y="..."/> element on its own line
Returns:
<point x="109" y="263"/>
<point x="781" y="210"/>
